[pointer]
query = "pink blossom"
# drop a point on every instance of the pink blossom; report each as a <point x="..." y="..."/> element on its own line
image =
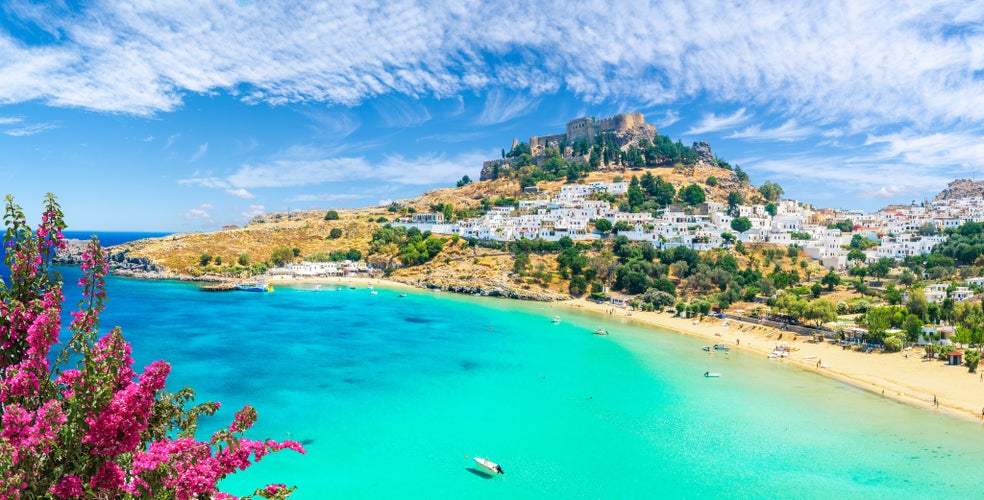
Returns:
<point x="70" y="486"/>
<point x="109" y="477"/>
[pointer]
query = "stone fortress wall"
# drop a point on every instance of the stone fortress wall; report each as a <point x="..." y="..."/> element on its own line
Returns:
<point x="625" y="127"/>
<point x="587" y="128"/>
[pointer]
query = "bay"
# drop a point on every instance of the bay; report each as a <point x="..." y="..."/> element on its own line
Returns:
<point x="393" y="396"/>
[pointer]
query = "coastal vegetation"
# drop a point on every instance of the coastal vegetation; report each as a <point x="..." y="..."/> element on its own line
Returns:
<point x="77" y="421"/>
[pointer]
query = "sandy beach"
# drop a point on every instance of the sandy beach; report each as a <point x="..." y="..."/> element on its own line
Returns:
<point x="905" y="376"/>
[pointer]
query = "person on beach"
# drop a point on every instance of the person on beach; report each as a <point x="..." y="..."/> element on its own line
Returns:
<point x="936" y="401"/>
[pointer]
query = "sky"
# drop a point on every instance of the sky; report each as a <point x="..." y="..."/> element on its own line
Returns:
<point x="151" y="115"/>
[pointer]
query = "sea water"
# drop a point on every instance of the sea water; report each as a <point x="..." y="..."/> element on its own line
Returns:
<point x="393" y="397"/>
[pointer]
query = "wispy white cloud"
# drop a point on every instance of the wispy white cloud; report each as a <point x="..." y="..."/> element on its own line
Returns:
<point x="25" y="130"/>
<point x="815" y="61"/>
<point x="401" y="113"/>
<point x="241" y="193"/>
<point x="711" y="122"/>
<point x="253" y="211"/>
<point x="10" y="120"/>
<point x="171" y="139"/>
<point x="201" y="213"/>
<point x="201" y="152"/>
<point x="501" y="107"/>
<point x="331" y="197"/>
<point x="338" y="123"/>
<point x="303" y="166"/>
<point x="787" y="132"/>
<point x="669" y="118"/>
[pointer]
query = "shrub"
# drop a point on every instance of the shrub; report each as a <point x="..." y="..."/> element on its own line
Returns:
<point x="332" y="215"/>
<point x="81" y="424"/>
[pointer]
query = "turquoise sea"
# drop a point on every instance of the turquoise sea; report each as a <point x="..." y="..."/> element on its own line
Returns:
<point x="393" y="396"/>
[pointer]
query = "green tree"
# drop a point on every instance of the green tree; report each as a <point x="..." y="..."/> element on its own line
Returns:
<point x="635" y="195"/>
<point x="830" y="280"/>
<point x="858" y="256"/>
<point x="243" y="259"/>
<point x="770" y="191"/>
<point x="711" y="181"/>
<point x="335" y="233"/>
<point x="464" y="181"/>
<point x="204" y="259"/>
<point x="741" y="224"/>
<point x="820" y="311"/>
<point x="332" y="215"/>
<point x="972" y="358"/>
<point x="603" y="225"/>
<point x="281" y="256"/>
<point x="578" y="286"/>
<point x="693" y="195"/>
<point x="771" y="209"/>
<point x="735" y="200"/>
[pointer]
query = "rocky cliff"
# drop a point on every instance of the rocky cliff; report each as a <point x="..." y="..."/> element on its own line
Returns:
<point x="961" y="188"/>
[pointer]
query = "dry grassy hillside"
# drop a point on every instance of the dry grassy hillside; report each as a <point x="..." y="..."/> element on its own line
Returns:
<point x="308" y="231"/>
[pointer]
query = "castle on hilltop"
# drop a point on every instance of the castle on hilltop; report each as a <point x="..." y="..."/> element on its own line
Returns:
<point x="625" y="129"/>
<point x="588" y="128"/>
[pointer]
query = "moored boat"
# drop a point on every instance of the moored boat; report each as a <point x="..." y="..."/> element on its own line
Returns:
<point x="712" y="374"/>
<point x="721" y="347"/>
<point x="600" y="331"/>
<point x="489" y="466"/>
<point x="556" y="319"/>
<point x="254" y="286"/>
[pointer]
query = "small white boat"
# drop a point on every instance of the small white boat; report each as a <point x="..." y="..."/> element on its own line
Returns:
<point x="404" y="294"/>
<point x="712" y="374"/>
<point x="706" y="348"/>
<point x="489" y="466"/>
<point x="374" y="292"/>
<point x="721" y="347"/>
<point x="600" y="331"/>
<point x="556" y="319"/>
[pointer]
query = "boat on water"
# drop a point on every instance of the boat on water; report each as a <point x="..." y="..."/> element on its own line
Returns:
<point x="404" y="294"/>
<point x="489" y="466"/>
<point x="706" y="348"/>
<point x="374" y="292"/>
<point x="556" y="319"/>
<point x="721" y="347"/>
<point x="600" y="331"/>
<point x="254" y="286"/>
<point x="712" y="374"/>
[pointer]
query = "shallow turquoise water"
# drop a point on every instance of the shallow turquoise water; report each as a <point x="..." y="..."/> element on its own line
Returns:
<point x="393" y="396"/>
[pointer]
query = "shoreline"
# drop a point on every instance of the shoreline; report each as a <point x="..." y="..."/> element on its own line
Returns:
<point x="904" y="376"/>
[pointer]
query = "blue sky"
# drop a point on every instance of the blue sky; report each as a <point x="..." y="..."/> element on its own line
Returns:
<point x="189" y="115"/>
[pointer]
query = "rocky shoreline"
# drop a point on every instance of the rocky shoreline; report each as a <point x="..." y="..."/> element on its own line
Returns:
<point x="124" y="265"/>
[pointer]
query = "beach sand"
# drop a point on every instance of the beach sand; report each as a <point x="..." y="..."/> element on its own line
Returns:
<point x="905" y="376"/>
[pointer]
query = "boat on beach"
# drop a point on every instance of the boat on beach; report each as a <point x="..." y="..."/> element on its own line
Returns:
<point x="489" y="466"/>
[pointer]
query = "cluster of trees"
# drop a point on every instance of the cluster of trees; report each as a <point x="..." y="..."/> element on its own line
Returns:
<point x="586" y="156"/>
<point x="411" y="246"/>
<point x="964" y="244"/>
<point x="352" y="254"/>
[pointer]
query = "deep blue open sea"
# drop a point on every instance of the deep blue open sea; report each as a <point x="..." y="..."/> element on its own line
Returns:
<point x="392" y="398"/>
